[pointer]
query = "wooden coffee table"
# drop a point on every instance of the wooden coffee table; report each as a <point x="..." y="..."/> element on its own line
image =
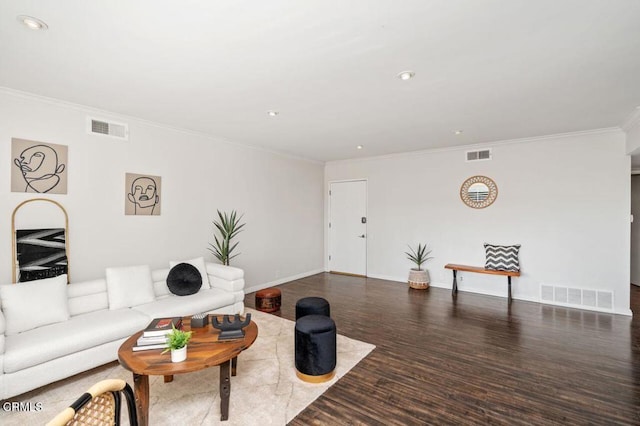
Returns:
<point x="203" y="351"/>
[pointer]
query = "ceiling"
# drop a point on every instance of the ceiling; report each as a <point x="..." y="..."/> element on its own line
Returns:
<point x="495" y="69"/>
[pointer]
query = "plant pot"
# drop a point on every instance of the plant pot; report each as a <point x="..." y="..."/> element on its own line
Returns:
<point x="178" y="355"/>
<point x="419" y="279"/>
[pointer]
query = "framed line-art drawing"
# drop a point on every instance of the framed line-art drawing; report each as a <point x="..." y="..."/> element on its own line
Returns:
<point x="38" y="167"/>
<point x="142" y="195"/>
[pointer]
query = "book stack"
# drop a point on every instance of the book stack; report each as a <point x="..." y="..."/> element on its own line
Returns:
<point x="154" y="335"/>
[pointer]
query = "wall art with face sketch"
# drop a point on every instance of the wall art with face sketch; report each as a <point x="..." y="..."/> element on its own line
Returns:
<point x="142" y="195"/>
<point x="38" y="167"/>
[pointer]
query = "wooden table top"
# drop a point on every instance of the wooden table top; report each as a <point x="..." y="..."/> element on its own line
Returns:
<point x="203" y="351"/>
<point x="481" y="270"/>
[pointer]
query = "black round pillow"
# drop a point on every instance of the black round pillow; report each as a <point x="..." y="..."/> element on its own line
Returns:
<point x="184" y="279"/>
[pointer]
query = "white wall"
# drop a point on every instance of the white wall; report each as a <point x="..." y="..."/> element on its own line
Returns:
<point x="281" y="197"/>
<point x="565" y="199"/>
<point x="632" y="130"/>
<point x="635" y="230"/>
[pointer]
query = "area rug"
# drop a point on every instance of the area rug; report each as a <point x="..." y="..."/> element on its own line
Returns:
<point x="266" y="390"/>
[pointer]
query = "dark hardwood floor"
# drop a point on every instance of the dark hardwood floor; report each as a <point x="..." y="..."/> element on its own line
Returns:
<point x="472" y="359"/>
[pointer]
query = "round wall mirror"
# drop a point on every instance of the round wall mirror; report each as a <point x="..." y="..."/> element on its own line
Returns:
<point x="478" y="192"/>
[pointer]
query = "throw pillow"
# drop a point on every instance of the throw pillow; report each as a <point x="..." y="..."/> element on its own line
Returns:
<point x="502" y="258"/>
<point x="34" y="303"/>
<point x="184" y="279"/>
<point x="129" y="286"/>
<point x="198" y="262"/>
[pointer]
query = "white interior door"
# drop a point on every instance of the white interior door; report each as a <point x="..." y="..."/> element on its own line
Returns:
<point x="348" y="227"/>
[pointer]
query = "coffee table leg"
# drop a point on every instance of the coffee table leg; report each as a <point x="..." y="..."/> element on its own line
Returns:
<point x="168" y="379"/>
<point x="234" y="365"/>
<point x="141" y="391"/>
<point x="225" y="390"/>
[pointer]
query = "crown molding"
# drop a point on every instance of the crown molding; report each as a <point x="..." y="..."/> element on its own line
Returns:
<point x="482" y="145"/>
<point x="632" y="121"/>
<point x="129" y="118"/>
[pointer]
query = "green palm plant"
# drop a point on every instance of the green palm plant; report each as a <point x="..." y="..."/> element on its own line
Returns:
<point x="228" y="225"/>
<point x="419" y="256"/>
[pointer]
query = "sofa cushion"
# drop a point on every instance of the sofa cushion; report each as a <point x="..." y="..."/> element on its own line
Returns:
<point x="198" y="262"/>
<point x="235" y="285"/>
<point x="129" y="286"/>
<point x="159" y="277"/>
<point x="225" y="272"/>
<point x="34" y="303"/>
<point x="78" y="333"/>
<point x="184" y="279"/>
<point x="202" y="301"/>
<point x="87" y="296"/>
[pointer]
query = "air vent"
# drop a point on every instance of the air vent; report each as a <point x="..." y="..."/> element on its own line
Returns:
<point x="576" y="297"/>
<point x="481" y="155"/>
<point x="112" y="129"/>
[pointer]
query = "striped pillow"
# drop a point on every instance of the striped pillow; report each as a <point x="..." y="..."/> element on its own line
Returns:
<point x="502" y="258"/>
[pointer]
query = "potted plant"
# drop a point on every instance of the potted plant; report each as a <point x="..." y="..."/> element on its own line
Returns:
<point x="418" y="277"/>
<point x="229" y="226"/>
<point x="177" y="343"/>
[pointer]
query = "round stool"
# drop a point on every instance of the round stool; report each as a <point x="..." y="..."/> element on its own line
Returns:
<point x="312" y="306"/>
<point x="268" y="299"/>
<point x="315" y="343"/>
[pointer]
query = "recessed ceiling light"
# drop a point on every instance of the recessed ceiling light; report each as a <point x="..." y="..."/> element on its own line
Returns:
<point x="272" y="113"/>
<point x="32" y="23"/>
<point x="359" y="147"/>
<point x="458" y="132"/>
<point x="406" y="75"/>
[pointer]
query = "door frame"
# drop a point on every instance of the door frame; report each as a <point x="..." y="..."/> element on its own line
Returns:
<point x="328" y="220"/>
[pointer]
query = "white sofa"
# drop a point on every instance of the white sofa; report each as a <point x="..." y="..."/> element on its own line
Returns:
<point x="50" y="330"/>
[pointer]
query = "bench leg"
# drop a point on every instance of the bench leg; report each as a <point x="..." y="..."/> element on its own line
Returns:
<point x="454" y="288"/>
<point x="509" y="281"/>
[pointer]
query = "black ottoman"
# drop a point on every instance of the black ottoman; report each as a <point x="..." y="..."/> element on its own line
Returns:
<point x="312" y="306"/>
<point x="315" y="343"/>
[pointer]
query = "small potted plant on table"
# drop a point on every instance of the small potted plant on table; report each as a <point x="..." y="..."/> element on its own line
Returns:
<point x="177" y="343"/>
<point x="418" y="277"/>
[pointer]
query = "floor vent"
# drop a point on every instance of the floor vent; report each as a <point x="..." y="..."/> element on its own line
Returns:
<point x="576" y="297"/>
<point x="112" y="129"/>
<point x="481" y="155"/>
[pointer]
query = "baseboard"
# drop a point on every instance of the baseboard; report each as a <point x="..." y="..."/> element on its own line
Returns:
<point x="282" y="280"/>
<point x="446" y="285"/>
<point x="524" y="298"/>
<point x="387" y="278"/>
<point x="405" y="281"/>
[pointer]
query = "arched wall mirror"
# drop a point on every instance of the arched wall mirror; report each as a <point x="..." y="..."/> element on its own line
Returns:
<point x="40" y="240"/>
<point x="478" y="192"/>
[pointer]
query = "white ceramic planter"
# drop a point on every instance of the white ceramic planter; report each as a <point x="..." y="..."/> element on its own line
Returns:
<point x="178" y="355"/>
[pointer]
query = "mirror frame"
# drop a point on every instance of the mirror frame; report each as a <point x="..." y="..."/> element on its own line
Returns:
<point x="14" y="248"/>
<point x="493" y="192"/>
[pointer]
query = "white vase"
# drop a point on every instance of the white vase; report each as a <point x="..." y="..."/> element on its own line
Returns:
<point x="178" y="355"/>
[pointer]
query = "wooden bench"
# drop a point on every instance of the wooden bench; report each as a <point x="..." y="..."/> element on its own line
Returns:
<point x="479" y="270"/>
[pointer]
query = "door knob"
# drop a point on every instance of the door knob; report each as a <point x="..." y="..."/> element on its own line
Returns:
<point x="361" y="236"/>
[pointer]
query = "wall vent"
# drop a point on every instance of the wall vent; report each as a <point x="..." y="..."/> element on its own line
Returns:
<point x="481" y="155"/>
<point x="576" y="297"/>
<point x="96" y="126"/>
